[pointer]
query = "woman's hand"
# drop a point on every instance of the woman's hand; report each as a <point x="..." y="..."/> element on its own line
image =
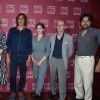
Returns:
<point x="8" y="61"/>
<point x="39" y="64"/>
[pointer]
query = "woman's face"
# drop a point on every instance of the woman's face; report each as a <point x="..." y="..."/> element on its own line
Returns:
<point x="39" y="29"/>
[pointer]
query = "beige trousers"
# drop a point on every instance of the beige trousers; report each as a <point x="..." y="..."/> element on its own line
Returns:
<point x="83" y="77"/>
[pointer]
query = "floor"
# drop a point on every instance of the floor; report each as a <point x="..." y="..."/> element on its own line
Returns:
<point x="5" y="96"/>
<point x="96" y="92"/>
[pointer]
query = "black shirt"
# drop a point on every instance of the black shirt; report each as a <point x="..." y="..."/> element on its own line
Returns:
<point x="57" y="53"/>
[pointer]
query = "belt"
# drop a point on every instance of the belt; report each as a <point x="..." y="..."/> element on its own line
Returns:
<point x="84" y="56"/>
<point x="58" y="57"/>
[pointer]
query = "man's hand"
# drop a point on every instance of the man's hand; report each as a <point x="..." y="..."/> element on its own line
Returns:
<point x="28" y="62"/>
<point x="97" y="69"/>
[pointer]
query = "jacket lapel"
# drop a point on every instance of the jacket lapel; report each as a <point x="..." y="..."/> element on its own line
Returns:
<point x="54" y="38"/>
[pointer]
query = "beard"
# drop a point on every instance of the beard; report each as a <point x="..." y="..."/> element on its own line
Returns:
<point x="85" y="28"/>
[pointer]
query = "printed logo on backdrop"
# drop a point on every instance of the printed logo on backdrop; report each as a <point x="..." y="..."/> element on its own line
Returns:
<point x="47" y="86"/>
<point x="4" y="22"/>
<point x="71" y="86"/>
<point x="84" y="0"/>
<point x="71" y="0"/>
<point x="64" y="10"/>
<point x="10" y="8"/>
<point x="45" y="22"/>
<point x="31" y="23"/>
<point x="51" y="9"/>
<point x="38" y="9"/>
<point x="24" y="8"/>
<point x="29" y="75"/>
<point x="70" y="24"/>
<point x="76" y="11"/>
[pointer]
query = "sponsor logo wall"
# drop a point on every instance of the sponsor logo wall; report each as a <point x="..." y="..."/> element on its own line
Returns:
<point x="48" y="12"/>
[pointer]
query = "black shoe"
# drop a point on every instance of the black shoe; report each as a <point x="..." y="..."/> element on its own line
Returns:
<point x="73" y="98"/>
<point x="79" y="99"/>
<point x="52" y="96"/>
<point x="37" y="97"/>
<point x="33" y="94"/>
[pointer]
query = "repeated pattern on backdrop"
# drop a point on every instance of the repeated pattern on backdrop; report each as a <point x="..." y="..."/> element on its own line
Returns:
<point x="48" y="12"/>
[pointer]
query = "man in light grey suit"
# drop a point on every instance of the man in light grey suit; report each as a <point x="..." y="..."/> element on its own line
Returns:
<point x="61" y="50"/>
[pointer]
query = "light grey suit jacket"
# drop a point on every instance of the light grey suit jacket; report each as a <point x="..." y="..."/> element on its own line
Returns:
<point x="67" y="47"/>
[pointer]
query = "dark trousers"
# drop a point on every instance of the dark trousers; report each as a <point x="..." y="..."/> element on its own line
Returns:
<point x="13" y="73"/>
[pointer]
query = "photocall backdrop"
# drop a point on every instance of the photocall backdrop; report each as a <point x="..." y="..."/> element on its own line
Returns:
<point x="48" y="12"/>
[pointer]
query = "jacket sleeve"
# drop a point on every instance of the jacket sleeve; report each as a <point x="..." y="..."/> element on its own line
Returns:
<point x="71" y="47"/>
<point x="29" y="45"/>
<point x="47" y="47"/>
<point x="8" y="42"/>
<point x="98" y="37"/>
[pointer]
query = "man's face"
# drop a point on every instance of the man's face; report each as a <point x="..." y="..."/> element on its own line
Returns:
<point x="21" y="20"/>
<point x="60" y="26"/>
<point x="85" y="23"/>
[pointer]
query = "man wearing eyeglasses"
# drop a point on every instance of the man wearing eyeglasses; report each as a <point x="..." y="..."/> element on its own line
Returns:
<point x="61" y="50"/>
